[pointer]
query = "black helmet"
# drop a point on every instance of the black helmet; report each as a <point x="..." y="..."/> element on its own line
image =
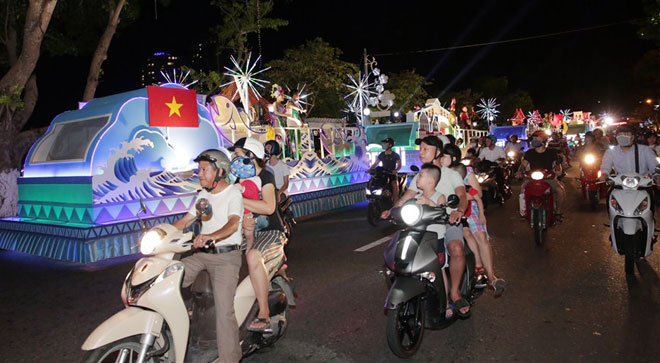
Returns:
<point x="453" y="151"/>
<point x="275" y="148"/>
<point x="388" y="140"/>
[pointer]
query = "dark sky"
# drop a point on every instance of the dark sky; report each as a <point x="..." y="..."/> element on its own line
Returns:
<point x="575" y="70"/>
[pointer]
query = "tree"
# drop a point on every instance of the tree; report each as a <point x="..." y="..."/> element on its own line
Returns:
<point x="466" y="97"/>
<point x="649" y="25"/>
<point x="513" y="100"/>
<point x="317" y="65"/>
<point x="240" y="19"/>
<point x="408" y="88"/>
<point x="18" y="91"/>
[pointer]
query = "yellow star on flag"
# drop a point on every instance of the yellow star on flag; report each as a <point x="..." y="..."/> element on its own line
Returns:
<point x="174" y="107"/>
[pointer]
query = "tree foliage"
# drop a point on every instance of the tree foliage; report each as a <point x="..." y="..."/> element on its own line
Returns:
<point x="240" y="20"/>
<point x="649" y="25"/>
<point x="317" y="65"/>
<point x="408" y="87"/>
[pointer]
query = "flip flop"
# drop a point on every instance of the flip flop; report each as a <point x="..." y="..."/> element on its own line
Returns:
<point x="460" y="304"/>
<point x="262" y="329"/>
<point x="449" y="312"/>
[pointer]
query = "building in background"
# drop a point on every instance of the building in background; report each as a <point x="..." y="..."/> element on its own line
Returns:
<point x="160" y="61"/>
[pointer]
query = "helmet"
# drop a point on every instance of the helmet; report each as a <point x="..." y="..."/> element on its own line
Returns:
<point x="218" y="159"/>
<point x="249" y="144"/>
<point x="625" y="128"/>
<point x="541" y="134"/>
<point x="275" y="148"/>
<point x="453" y="151"/>
<point x="388" y="140"/>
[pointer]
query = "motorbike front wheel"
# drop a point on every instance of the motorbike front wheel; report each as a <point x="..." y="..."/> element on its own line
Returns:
<point x="373" y="213"/>
<point x="537" y="225"/>
<point x="629" y="248"/>
<point x="405" y="327"/>
<point x="128" y="350"/>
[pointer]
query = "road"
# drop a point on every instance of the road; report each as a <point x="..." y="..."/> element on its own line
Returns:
<point x="568" y="300"/>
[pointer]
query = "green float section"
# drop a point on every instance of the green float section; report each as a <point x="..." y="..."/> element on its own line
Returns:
<point x="56" y="193"/>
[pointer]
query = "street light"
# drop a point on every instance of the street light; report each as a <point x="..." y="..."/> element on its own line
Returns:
<point x="649" y="101"/>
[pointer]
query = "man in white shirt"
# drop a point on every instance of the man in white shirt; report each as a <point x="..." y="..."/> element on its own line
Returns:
<point x="491" y="152"/>
<point x="621" y="158"/>
<point x="280" y="170"/>
<point x="514" y="145"/>
<point x="430" y="151"/>
<point x="219" y="206"/>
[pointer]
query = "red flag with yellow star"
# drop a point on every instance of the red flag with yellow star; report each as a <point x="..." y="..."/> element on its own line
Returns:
<point x="172" y="107"/>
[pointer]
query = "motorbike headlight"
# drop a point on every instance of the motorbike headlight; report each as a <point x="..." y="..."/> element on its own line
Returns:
<point x="642" y="207"/>
<point x="599" y="174"/>
<point x="411" y="214"/>
<point x="615" y="205"/>
<point x="149" y="241"/>
<point x="630" y="182"/>
<point x="466" y="162"/>
<point x="377" y="191"/>
<point x="537" y="175"/>
<point x="511" y="154"/>
<point x="482" y="177"/>
<point x="589" y="159"/>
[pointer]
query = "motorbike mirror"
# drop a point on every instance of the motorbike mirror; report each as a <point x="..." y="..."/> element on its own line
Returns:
<point x="143" y="210"/>
<point x="414" y="168"/>
<point x="452" y="201"/>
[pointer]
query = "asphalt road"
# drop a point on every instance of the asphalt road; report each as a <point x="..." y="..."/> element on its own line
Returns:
<point x="568" y="300"/>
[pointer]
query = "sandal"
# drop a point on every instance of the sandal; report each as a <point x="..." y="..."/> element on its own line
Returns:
<point x="460" y="304"/>
<point x="449" y="312"/>
<point x="260" y="325"/>
<point x="498" y="287"/>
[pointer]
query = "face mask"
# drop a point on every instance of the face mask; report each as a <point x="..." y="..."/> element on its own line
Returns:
<point x="536" y="143"/>
<point x="624" y="140"/>
<point x="243" y="167"/>
<point x="473" y="144"/>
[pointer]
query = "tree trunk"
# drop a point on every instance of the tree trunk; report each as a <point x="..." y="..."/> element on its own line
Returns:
<point x="30" y="96"/>
<point x="36" y="22"/>
<point x="101" y="52"/>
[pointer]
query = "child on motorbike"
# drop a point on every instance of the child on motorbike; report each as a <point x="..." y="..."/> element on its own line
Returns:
<point x="428" y="178"/>
<point x="243" y="168"/>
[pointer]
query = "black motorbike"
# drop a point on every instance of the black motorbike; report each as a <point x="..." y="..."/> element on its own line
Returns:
<point x="486" y="172"/>
<point x="415" y="259"/>
<point x="512" y="164"/>
<point x="379" y="192"/>
<point x="288" y="217"/>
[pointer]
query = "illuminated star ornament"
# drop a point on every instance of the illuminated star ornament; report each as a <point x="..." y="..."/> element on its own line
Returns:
<point x="246" y="80"/>
<point x="567" y="114"/>
<point x="179" y="79"/>
<point x="534" y="117"/>
<point x="174" y="107"/>
<point x="302" y="96"/>
<point x="361" y="92"/>
<point x="488" y="109"/>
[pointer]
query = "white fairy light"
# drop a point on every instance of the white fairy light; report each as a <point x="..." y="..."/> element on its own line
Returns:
<point x="246" y="80"/>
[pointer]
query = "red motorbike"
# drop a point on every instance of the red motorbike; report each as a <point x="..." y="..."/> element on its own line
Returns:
<point x="539" y="202"/>
<point x="590" y="173"/>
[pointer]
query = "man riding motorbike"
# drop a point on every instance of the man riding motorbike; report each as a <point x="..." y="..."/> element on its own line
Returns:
<point x="494" y="154"/>
<point x="621" y="158"/>
<point x="391" y="163"/>
<point x="514" y="144"/>
<point x="450" y="183"/>
<point x="541" y="158"/>
<point x="220" y="206"/>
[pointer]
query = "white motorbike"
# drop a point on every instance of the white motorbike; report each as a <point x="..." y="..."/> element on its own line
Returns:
<point x="632" y="225"/>
<point x="155" y="324"/>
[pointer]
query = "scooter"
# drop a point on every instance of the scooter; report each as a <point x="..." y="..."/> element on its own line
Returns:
<point x="486" y="176"/>
<point x="511" y="164"/>
<point x="590" y="174"/>
<point x="379" y="192"/>
<point x="154" y="325"/>
<point x="632" y="225"/>
<point x="287" y="216"/>
<point x="539" y="202"/>
<point x="415" y="260"/>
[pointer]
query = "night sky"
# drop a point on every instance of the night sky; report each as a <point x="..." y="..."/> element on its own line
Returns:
<point x="576" y="70"/>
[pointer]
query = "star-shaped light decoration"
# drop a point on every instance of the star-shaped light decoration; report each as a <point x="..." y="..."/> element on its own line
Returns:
<point x="361" y="93"/>
<point x="488" y="109"/>
<point x="302" y="96"/>
<point x="567" y="114"/>
<point x="179" y="79"/>
<point x="246" y="80"/>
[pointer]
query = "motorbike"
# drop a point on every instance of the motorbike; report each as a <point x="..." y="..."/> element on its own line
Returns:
<point x="154" y="325"/>
<point x="379" y="192"/>
<point x="539" y="202"/>
<point x="590" y="174"/>
<point x="287" y="216"/>
<point x="632" y="225"/>
<point x="486" y="176"/>
<point x="415" y="260"/>
<point x="511" y="164"/>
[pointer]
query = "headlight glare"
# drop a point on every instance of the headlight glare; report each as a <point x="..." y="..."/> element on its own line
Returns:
<point x="411" y="213"/>
<point x="537" y="175"/>
<point x="149" y="242"/>
<point x="589" y="159"/>
<point x="630" y="182"/>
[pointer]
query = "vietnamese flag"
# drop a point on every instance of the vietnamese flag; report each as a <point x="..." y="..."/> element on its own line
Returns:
<point x="172" y="107"/>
